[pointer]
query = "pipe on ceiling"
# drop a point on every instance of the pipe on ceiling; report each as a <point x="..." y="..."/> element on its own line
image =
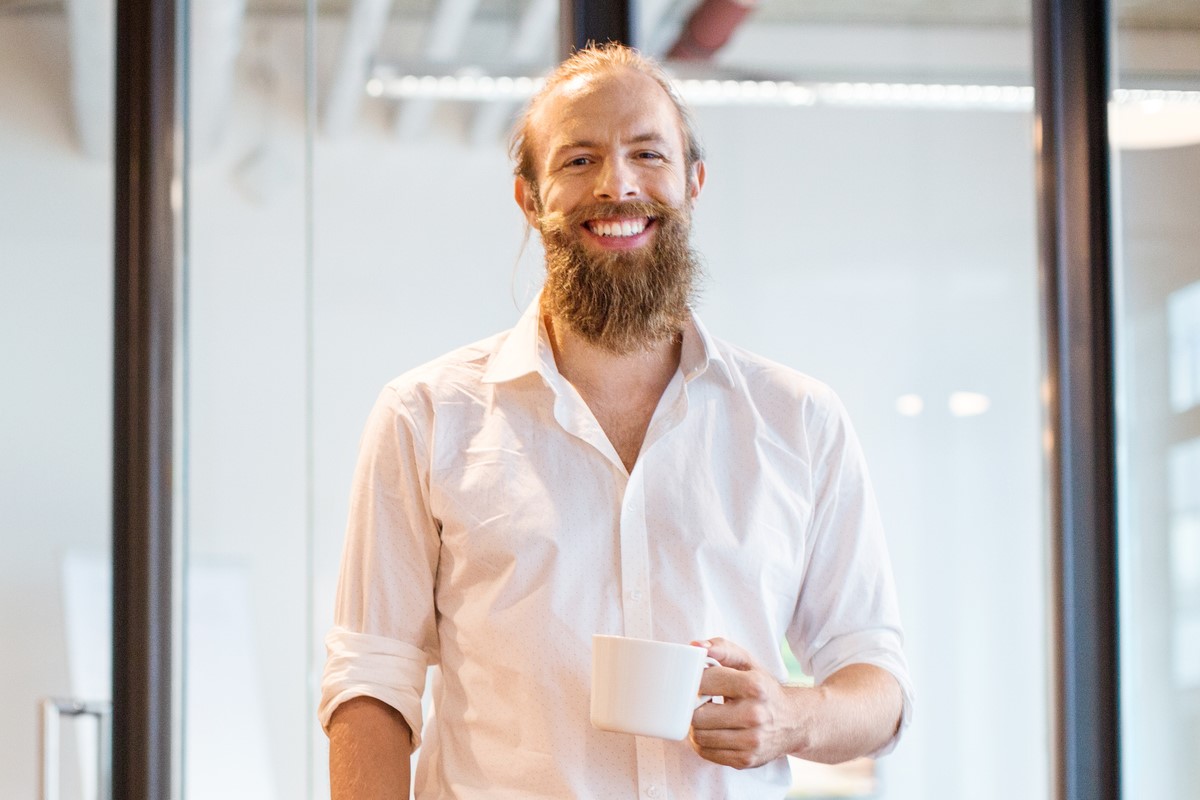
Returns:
<point x="708" y="28"/>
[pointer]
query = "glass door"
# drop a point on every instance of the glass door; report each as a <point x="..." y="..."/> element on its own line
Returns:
<point x="1155" y="134"/>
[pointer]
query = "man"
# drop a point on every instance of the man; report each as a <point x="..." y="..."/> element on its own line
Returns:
<point x="607" y="467"/>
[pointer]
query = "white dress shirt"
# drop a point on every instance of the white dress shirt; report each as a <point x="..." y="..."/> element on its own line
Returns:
<point x="493" y="529"/>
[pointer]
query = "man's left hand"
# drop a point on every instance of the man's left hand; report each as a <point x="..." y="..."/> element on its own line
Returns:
<point x="757" y="723"/>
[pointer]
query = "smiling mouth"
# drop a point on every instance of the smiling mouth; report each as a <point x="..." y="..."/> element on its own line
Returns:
<point x="623" y="228"/>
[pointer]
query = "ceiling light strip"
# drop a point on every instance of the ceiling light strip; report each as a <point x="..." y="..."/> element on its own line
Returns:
<point x="385" y="83"/>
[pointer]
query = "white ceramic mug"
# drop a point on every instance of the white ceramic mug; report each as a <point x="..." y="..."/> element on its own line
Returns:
<point x="646" y="688"/>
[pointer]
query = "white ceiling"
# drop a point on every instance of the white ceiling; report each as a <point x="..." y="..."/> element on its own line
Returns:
<point x="979" y="41"/>
<point x="1171" y="14"/>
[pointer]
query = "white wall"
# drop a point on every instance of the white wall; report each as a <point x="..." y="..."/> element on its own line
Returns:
<point x="886" y="252"/>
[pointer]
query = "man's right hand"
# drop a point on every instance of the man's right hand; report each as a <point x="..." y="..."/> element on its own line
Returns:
<point x="370" y="745"/>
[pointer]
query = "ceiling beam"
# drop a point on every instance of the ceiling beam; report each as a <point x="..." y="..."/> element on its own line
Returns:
<point x="364" y="30"/>
<point x="528" y="44"/>
<point x="442" y="43"/>
<point x="710" y="26"/>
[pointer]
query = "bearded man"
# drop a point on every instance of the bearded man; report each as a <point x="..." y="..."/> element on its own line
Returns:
<point x="607" y="466"/>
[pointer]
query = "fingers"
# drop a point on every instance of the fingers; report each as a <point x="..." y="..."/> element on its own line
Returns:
<point x="729" y="654"/>
<point x="733" y="748"/>
<point x="738" y="759"/>
<point x="735" y="684"/>
<point x="733" y="714"/>
<point x="749" y="739"/>
<point x="749" y="728"/>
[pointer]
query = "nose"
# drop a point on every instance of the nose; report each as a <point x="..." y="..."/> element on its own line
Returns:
<point x="616" y="181"/>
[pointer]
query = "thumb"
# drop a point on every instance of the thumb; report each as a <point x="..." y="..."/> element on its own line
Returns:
<point x="727" y="653"/>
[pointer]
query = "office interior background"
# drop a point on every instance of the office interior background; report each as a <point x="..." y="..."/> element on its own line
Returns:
<point x="869" y="218"/>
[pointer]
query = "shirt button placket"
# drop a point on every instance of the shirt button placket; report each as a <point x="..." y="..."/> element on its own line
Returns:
<point x="638" y="617"/>
<point x="635" y="561"/>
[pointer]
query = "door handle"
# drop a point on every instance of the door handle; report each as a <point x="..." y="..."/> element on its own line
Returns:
<point x="53" y="710"/>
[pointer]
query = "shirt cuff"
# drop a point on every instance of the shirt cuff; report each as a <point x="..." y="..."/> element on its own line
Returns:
<point x="361" y="664"/>
<point x="880" y="649"/>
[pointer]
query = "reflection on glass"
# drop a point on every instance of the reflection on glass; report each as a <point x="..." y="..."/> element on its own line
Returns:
<point x="1185" y="563"/>
<point x="1183" y="324"/>
<point x="1157" y="162"/>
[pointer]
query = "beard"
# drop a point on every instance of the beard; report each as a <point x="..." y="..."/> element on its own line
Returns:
<point x="625" y="300"/>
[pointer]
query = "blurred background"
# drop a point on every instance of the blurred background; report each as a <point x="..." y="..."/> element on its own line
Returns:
<point x="346" y="213"/>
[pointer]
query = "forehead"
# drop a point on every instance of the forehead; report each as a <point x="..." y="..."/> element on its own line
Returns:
<point x="599" y="108"/>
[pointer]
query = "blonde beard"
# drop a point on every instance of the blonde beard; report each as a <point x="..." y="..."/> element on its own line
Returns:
<point x="623" y="301"/>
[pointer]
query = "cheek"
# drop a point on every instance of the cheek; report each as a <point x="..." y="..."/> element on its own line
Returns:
<point x="561" y="198"/>
<point x="672" y="193"/>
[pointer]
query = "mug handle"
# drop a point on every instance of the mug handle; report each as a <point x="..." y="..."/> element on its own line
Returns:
<point x="701" y="699"/>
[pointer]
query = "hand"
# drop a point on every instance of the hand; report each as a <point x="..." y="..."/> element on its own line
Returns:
<point x="757" y="722"/>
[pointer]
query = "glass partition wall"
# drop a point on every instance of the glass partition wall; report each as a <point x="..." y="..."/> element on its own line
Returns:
<point x="56" y="277"/>
<point x="883" y="239"/>
<point x="868" y="219"/>
<point x="1155" y="133"/>
<point x="870" y="223"/>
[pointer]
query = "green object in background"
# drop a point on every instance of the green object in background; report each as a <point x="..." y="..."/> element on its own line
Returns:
<point x="795" y="674"/>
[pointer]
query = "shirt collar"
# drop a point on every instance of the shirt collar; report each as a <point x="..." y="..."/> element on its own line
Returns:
<point x="700" y="353"/>
<point x="527" y="349"/>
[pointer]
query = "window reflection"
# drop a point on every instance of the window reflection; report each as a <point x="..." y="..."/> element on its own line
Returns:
<point x="1185" y="564"/>
<point x="1183" y="324"/>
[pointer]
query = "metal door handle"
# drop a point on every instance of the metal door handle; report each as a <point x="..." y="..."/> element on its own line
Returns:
<point x="53" y="710"/>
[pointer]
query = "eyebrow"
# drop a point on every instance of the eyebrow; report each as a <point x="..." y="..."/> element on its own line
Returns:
<point x="641" y="138"/>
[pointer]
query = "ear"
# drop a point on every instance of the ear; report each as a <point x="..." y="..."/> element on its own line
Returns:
<point x="696" y="182"/>
<point x="526" y="197"/>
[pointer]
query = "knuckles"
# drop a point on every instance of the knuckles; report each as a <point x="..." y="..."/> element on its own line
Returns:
<point x="757" y="716"/>
<point x="749" y="710"/>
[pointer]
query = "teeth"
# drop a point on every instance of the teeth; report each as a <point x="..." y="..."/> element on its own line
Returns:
<point x="628" y="227"/>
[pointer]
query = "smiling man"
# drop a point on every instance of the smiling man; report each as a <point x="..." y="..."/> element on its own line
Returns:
<point x="607" y="466"/>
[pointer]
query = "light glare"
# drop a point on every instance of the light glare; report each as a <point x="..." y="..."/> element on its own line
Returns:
<point x="910" y="405"/>
<point x="968" y="404"/>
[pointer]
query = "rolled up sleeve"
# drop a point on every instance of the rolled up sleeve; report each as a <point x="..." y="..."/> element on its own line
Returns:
<point x="384" y="634"/>
<point x="847" y="611"/>
<point x="360" y="664"/>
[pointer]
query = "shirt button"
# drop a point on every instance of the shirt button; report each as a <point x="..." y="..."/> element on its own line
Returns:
<point x="652" y="791"/>
<point x="636" y="596"/>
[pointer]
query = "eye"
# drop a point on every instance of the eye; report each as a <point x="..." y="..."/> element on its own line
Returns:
<point x="579" y="161"/>
<point x="650" y="155"/>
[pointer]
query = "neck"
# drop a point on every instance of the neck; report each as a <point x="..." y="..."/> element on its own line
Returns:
<point x="621" y="377"/>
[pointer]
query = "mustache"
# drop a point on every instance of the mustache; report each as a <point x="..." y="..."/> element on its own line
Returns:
<point x="557" y="221"/>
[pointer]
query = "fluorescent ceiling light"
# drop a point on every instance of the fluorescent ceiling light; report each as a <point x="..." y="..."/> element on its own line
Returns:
<point x="386" y="82"/>
<point x="1145" y="119"/>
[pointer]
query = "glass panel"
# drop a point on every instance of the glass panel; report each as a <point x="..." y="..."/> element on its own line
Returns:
<point x="1155" y="131"/>
<point x="883" y="240"/>
<point x="56" y="210"/>
<point x="417" y="242"/>
<point x="246" y="713"/>
<point x="872" y="225"/>
<point x="879" y="238"/>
